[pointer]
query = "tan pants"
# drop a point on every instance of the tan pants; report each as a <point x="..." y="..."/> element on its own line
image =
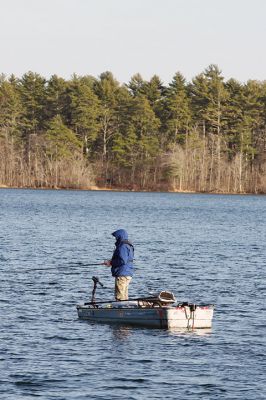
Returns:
<point x="121" y="287"/>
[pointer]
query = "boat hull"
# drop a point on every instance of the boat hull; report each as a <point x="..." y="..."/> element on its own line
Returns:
<point x="184" y="317"/>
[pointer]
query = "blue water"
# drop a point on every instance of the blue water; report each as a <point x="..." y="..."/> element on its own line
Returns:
<point x="204" y="248"/>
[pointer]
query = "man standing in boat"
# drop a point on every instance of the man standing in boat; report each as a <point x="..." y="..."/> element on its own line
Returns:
<point x="121" y="264"/>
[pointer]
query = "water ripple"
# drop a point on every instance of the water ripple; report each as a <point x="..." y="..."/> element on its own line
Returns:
<point x="206" y="249"/>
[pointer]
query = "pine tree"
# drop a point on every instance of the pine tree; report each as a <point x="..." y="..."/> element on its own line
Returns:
<point x="107" y="90"/>
<point x="154" y="92"/>
<point x="60" y="141"/>
<point x="32" y="93"/>
<point x="10" y="109"/>
<point x="136" y="85"/>
<point x="209" y="97"/>
<point x="177" y="113"/>
<point x="84" y="110"/>
<point x="125" y="143"/>
<point x="55" y="98"/>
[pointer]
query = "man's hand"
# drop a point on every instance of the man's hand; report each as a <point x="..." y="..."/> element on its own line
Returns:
<point x="107" y="262"/>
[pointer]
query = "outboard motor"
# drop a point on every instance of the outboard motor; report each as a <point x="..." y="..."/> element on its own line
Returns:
<point x="95" y="281"/>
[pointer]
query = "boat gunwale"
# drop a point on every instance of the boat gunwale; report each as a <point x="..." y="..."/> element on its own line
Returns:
<point x="91" y="307"/>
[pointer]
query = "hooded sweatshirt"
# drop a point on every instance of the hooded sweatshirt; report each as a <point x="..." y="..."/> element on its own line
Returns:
<point x="122" y="260"/>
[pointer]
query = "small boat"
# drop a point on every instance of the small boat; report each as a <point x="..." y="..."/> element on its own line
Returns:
<point x="158" y="311"/>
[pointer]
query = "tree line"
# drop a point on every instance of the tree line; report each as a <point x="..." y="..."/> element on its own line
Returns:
<point x="207" y="135"/>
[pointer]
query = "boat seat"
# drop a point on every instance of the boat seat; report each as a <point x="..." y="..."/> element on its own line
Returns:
<point x="166" y="297"/>
<point x="162" y="298"/>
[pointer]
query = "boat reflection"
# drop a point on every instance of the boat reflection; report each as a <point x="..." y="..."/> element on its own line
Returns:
<point x="122" y="332"/>
<point x="196" y="332"/>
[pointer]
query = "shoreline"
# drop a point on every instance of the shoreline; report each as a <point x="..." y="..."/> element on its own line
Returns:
<point x="94" y="188"/>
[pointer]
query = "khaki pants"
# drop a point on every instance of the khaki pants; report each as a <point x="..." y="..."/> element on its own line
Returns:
<point x="121" y="287"/>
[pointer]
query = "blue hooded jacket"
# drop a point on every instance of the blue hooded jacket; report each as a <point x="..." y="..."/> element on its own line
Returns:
<point x="122" y="260"/>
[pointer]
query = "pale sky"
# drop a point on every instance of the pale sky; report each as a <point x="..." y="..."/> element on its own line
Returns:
<point x="88" y="37"/>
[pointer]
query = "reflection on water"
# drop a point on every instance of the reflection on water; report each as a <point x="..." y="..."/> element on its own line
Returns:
<point x="196" y="332"/>
<point x="121" y="332"/>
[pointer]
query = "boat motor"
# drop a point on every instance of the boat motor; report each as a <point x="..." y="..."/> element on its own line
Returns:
<point x="95" y="281"/>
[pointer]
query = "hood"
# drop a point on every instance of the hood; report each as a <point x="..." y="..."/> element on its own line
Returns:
<point x="120" y="234"/>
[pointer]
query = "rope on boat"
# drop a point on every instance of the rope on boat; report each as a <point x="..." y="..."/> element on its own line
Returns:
<point x="191" y="316"/>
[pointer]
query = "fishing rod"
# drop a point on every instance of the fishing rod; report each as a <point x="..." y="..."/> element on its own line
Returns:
<point x="87" y="265"/>
<point x="155" y="300"/>
<point x="90" y="265"/>
<point x="151" y="299"/>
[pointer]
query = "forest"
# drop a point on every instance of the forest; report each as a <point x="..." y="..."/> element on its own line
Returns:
<point x="207" y="135"/>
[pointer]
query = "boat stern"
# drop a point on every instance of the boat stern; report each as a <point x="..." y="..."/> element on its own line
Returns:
<point x="190" y="316"/>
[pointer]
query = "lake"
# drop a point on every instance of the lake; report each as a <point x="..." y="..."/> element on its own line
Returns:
<point x="204" y="248"/>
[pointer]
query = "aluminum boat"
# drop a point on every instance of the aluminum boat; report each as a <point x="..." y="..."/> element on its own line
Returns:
<point x="158" y="311"/>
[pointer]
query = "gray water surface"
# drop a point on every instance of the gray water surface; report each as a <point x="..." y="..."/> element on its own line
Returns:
<point x="204" y="248"/>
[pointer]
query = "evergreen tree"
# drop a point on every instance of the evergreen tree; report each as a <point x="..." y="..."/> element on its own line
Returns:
<point x="177" y="113"/>
<point x="55" y="99"/>
<point x="32" y="93"/>
<point x="124" y="143"/>
<point x="84" y="109"/>
<point x="154" y="91"/>
<point x="60" y="141"/>
<point x="10" y="108"/>
<point x="233" y="114"/>
<point x="136" y="85"/>
<point x="209" y="97"/>
<point x="244" y="115"/>
<point x="146" y="126"/>
<point x="107" y="89"/>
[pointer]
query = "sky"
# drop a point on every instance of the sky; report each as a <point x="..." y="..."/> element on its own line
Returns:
<point x="161" y="37"/>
